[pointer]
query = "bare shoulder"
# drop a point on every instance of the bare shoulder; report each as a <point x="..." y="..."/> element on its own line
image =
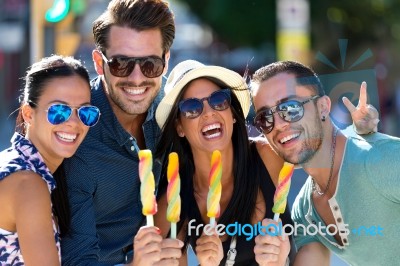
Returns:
<point x="24" y="183"/>
<point x="270" y="158"/>
<point x="23" y="193"/>
<point x="29" y="183"/>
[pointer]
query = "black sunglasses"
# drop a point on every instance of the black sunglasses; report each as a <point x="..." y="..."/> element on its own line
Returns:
<point x="290" y="111"/>
<point x="193" y="107"/>
<point x="122" y="66"/>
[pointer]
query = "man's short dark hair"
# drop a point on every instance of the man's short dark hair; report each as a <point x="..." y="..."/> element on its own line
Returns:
<point x="138" y="15"/>
<point x="304" y="75"/>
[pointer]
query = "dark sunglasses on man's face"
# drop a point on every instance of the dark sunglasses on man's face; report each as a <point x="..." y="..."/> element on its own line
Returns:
<point x="60" y="113"/>
<point x="122" y="66"/>
<point x="290" y="111"/>
<point x="193" y="107"/>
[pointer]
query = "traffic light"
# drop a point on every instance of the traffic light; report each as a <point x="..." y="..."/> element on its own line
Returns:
<point x="58" y="11"/>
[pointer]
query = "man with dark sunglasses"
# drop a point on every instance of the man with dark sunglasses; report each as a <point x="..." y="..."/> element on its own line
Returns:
<point x="352" y="195"/>
<point x="133" y="40"/>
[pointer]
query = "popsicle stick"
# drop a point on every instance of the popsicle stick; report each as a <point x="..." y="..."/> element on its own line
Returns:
<point x="173" y="230"/>
<point x="150" y="220"/>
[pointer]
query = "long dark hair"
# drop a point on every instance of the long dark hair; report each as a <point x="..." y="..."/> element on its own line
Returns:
<point x="242" y="204"/>
<point x="36" y="79"/>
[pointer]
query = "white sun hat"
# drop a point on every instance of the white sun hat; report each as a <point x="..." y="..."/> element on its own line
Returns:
<point x="188" y="70"/>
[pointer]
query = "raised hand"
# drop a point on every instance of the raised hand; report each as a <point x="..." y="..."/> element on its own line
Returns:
<point x="147" y="246"/>
<point x="271" y="250"/>
<point x="365" y="116"/>
<point x="151" y="249"/>
<point x="209" y="250"/>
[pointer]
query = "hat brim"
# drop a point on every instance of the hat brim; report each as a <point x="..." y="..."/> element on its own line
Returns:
<point x="232" y="79"/>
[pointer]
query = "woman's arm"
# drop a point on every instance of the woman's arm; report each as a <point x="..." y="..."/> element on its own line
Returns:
<point x="33" y="219"/>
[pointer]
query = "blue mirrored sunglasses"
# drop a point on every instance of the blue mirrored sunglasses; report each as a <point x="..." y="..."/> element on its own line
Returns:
<point x="60" y="113"/>
<point x="193" y="107"/>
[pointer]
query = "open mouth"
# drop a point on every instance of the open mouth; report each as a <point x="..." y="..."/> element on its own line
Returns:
<point x="289" y="138"/>
<point x="66" y="136"/>
<point x="212" y="131"/>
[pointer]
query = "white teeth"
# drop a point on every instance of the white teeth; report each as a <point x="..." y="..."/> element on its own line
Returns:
<point x="211" y="127"/>
<point x="66" y="137"/>
<point x="208" y="128"/>
<point x="217" y="134"/>
<point x="135" y="91"/>
<point x="290" y="137"/>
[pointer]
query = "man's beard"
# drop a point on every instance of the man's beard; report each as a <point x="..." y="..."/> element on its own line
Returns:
<point x="310" y="146"/>
<point x="131" y="107"/>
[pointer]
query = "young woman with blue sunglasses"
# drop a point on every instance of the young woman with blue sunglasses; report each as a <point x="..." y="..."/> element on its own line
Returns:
<point x="54" y="117"/>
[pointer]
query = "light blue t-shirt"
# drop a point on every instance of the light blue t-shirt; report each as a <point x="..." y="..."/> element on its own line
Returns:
<point x="366" y="205"/>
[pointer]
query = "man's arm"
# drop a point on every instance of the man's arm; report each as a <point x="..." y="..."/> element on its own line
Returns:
<point x="312" y="254"/>
<point x="80" y="245"/>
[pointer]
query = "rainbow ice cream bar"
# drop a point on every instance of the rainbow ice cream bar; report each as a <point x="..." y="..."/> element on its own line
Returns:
<point x="147" y="186"/>
<point x="173" y="192"/>
<point x="282" y="191"/>
<point x="214" y="193"/>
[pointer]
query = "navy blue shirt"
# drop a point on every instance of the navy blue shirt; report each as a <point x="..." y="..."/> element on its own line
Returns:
<point x="104" y="188"/>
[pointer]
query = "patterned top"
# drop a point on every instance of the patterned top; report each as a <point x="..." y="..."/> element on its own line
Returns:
<point x="21" y="156"/>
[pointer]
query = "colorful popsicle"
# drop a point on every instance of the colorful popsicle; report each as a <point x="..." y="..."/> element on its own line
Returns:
<point x="214" y="193"/>
<point x="173" y="192"/>
<point x="147" y="186"/>
<point x="282" y="191"/>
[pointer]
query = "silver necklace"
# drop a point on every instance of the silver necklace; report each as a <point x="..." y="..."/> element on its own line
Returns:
<point x="314" y="184"/>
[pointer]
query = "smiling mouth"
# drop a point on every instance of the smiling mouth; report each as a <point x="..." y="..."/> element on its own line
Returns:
<point x="289" y="138"/>
<point x="66" y="136"/>
<point x="134" y="91"/>
<point x="212" y="131"/>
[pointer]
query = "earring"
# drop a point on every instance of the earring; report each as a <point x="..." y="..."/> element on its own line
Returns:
<point x="323" y="118"/>
<point x="180" y="134"/>
<point x="234" y="120"/>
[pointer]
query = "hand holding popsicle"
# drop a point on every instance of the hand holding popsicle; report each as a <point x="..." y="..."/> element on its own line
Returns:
<point x="282" y="190"/>
<point x="214" y="193"/>
<point x="173" y="192"/>
<point x="147" y="186"/>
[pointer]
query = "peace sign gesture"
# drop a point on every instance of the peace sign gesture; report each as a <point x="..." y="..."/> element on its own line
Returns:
<point x="365" y="116"/>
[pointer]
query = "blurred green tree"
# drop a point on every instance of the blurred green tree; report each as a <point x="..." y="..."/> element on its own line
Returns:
<point x="238" y="22"/>
<point x="253" y="22"/>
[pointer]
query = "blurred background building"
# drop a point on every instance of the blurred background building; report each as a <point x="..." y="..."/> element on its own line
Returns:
<point x="346" y="42"/>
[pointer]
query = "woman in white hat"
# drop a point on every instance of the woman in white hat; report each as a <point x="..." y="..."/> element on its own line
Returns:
<point x="203" y="110"/>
